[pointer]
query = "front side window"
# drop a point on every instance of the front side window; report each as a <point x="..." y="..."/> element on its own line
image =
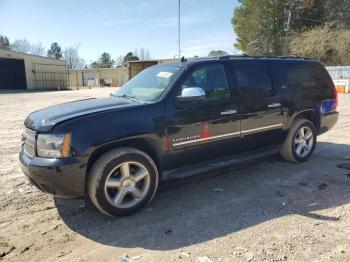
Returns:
<point x="252" y="79"/>
<point x="212" y="79"/>
<point x="151" y="83"/>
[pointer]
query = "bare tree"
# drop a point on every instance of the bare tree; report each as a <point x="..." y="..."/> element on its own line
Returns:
<point x="38" y="49"/>
<point x="21" y="45"/>
<point x="322" y="43"/>
<point x="71" y="56"/>
<point x="148" y="55"/>
<point x="119" y="61"/>
<point x="82" y="64"/>
<point x="136" y="53"/>
<point x="24" y="46"/>
<point x="144" y="53"/>
<point x="4" y="42"/>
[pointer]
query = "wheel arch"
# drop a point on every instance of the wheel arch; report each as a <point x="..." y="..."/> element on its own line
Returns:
<point x="309" y="114"/>
<point x="146" y="145"/>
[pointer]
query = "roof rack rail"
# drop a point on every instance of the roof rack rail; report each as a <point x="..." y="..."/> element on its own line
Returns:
<point x="204" y="58"/>
<point x="245" y="56"/>
<point x="232" y="56"/>
<point x="293" y="57"/>
<point x="263" y="57"/>
<point x="219" y="57"/>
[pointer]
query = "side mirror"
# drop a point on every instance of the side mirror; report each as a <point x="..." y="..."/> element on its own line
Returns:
<point x="192" y="94"/>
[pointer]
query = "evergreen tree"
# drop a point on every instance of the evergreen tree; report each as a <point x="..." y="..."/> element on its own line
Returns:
<point x="260" y="26"/>
<point x="55" y="51"/>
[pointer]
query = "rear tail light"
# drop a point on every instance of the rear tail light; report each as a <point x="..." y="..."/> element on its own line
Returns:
<point x="329" y="105"/>
<point x="335" y="106"/>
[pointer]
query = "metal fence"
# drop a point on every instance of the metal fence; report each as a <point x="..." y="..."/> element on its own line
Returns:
<point x="50" y="76"/>
<point x="339" y="72"/>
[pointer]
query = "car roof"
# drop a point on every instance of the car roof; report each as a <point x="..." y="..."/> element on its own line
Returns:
<point x="240" y="58"/>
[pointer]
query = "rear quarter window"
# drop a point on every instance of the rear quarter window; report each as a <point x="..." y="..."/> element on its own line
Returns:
<point x="298" y="76"/>
<point x="321" y="76"/>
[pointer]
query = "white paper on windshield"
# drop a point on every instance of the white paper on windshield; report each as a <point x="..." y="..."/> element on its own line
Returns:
<point x="165" y="74"/>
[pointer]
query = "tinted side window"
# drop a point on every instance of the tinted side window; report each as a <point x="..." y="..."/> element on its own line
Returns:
<point x="212" y="79"/>
<point x="252" y="78"/>
<point x="300" y="76"/>
<point x="321" y="77"/>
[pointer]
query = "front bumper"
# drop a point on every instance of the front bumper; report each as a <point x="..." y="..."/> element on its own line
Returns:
<point x="328" y="121"/>
<point x="59" y="177"/>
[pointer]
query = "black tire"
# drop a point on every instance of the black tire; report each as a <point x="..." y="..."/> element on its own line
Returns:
<point x="105" y="166"/>
<point x="288" y="151"/>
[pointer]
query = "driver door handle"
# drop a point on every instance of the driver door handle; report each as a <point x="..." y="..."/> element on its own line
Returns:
<point x="274" y="105"/>
<point x="229" y="112"/>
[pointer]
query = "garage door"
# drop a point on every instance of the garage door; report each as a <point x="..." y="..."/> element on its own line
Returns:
<point x="12" y="74"/>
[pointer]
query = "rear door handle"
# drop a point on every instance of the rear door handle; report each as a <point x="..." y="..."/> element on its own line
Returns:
<point x="229" y="112"/>
<point x="274" y="105"/>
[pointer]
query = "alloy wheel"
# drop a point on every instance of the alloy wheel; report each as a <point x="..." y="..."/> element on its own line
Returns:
<point x="127" y="184"/>
<point x="303" y="141"/>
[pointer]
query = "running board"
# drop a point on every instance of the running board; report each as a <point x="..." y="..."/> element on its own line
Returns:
<point x="231" y="162"/>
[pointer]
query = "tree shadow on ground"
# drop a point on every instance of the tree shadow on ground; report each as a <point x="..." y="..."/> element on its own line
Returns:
<point x="190" y="211"/>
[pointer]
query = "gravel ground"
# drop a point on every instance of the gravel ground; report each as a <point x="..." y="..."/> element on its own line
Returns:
<point x="271" y="211"/>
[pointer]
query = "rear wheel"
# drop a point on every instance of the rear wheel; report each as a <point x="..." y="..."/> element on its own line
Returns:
<point x="122" y="181"/>
<point x="300" y="141"/>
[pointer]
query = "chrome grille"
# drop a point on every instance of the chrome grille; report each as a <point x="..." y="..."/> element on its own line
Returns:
<point x="29" y="142"/>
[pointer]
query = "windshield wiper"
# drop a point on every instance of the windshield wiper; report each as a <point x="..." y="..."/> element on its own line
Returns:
<point x="131" y="98"/>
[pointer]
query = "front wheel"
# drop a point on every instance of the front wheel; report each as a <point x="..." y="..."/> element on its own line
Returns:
<point x="122" y="181"/>
<point x="300" y="141"/>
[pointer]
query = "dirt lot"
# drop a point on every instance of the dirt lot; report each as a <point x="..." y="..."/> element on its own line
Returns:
<point x="274" y="211"/>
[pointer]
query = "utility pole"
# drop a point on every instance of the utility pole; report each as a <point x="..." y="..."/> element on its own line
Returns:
<point x="289" y="17"/>
<point x="179" y="29"/>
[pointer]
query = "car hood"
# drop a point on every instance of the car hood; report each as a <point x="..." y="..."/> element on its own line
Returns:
<point x="45" y="119"/>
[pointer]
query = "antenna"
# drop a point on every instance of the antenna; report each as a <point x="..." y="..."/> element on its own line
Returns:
<point x="289" y="17"/>
<point x="179" y="29"/>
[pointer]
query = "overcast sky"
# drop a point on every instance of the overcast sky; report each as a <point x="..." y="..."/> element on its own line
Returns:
<point x="119" y="26"/>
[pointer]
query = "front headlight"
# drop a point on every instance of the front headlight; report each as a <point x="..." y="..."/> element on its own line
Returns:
<point x="53" y="146"/>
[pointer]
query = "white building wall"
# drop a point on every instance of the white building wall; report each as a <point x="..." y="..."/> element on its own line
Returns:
<point x="38" y="66"/>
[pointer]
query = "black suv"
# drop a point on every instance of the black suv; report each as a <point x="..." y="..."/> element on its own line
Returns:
<point x="176" y="120"/>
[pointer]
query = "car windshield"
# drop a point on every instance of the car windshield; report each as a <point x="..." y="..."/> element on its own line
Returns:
<point x="149" y="84"/>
